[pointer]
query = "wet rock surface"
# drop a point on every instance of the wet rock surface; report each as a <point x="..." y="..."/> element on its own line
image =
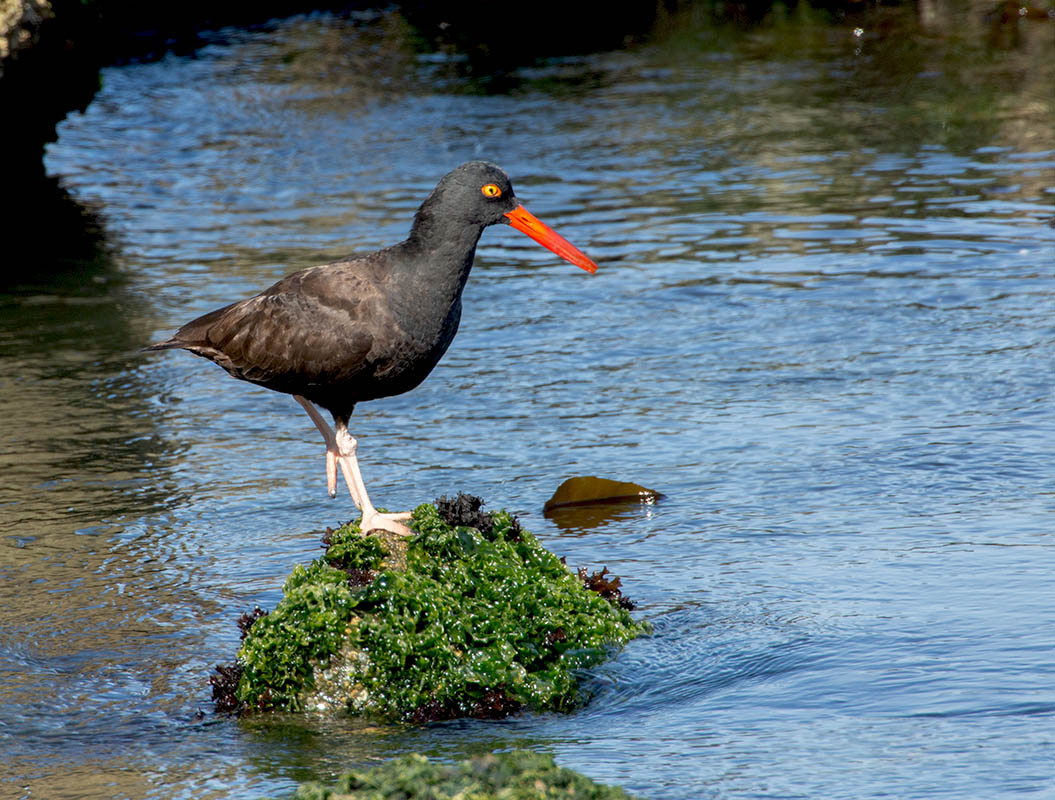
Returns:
<point x="457" y="621"/>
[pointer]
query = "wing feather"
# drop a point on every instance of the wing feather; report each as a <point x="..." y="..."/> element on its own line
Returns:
<point x="312" y="328"/>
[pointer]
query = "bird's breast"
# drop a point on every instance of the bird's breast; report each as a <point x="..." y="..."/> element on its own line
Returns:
<point x="407" y="351"/>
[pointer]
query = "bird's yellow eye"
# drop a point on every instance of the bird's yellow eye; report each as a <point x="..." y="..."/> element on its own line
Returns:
<point x="491" y="190"/>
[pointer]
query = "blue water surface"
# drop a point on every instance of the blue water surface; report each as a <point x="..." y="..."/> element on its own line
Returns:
<point x="823" y="328"/>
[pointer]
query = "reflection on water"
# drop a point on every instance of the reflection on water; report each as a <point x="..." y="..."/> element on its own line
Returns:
<point x="49" y="236"/>
<point x="822" y="328"/>
<point x="583" y="519"/>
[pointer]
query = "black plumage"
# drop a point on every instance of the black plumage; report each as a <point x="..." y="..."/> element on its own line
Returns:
<point x="371" y="326"/>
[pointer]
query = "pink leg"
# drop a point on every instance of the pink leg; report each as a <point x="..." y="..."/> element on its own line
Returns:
<point x="331" y="447"/>
<point x="372" y="518"/>
<point x="341" y="449"/>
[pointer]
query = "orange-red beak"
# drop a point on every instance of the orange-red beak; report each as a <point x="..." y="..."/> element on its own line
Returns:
<point x="526" y="222"/>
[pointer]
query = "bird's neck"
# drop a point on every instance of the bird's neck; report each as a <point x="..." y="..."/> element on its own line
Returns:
<point x="442" y="251"/>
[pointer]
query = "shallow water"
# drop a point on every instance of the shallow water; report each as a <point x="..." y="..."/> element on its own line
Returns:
<point x="823" y="328"/>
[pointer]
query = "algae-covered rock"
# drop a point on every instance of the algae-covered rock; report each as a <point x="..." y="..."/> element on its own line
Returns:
<point x="521" y="774"/>
<point x="454" y="621"/>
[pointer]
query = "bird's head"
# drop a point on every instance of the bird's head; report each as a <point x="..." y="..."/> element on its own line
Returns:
<point x="480" y="193"/>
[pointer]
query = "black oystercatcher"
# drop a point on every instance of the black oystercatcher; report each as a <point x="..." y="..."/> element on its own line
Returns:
<point x="371" y="326"/>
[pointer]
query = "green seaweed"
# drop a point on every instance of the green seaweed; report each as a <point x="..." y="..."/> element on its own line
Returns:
<point x="479" y="623"/>
<point x="519" y="775"/>
<point x="307" y="627"/>
<point x="355" y="552"/>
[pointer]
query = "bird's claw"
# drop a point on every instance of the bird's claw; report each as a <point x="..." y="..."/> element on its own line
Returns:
<point x="386" y="522"/>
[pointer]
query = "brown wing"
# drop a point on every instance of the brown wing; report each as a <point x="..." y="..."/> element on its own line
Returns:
<point x="310" y="330"/>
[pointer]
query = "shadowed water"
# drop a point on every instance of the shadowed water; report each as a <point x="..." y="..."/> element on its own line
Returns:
<point x="822" y="327"/>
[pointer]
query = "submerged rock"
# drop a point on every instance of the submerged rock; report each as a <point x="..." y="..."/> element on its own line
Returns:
<point x="455" y="621"/>
<point x="520" y="774"/>
<point x="591" y="490"/>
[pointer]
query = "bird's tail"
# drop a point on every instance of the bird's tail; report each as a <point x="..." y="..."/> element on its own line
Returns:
<point x="168" y="344"/>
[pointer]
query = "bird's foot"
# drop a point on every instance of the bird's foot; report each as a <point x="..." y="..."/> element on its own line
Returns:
<point x="387" y="522"/>
<point x="331" y="472"/>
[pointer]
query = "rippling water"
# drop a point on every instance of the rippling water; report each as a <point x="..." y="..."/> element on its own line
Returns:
<point x="823" y="328"/>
